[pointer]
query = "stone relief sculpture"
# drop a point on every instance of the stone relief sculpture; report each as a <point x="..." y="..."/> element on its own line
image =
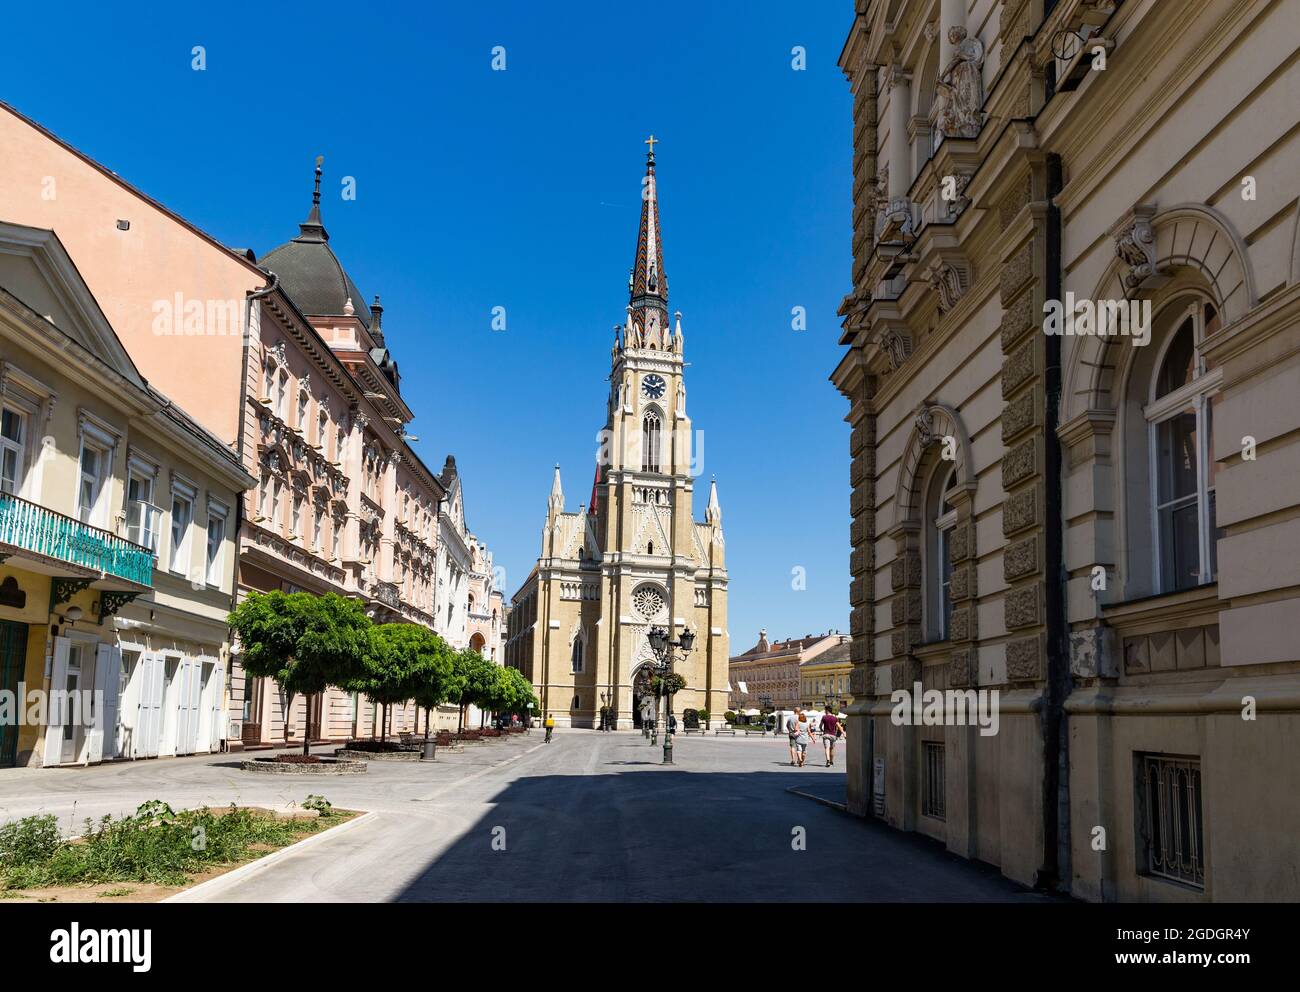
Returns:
<point x="897" y="347"/>
<point x="961" y="87"/>
<point x="949" y="282"/>
<point x="1135" y="244"/>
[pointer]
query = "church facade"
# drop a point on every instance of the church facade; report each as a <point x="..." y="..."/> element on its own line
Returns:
<point x="635" y="558"/>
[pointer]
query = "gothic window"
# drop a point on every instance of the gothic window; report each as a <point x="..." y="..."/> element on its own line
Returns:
<point x="648" y="602"/>
<point x="576" y="656"/>
<point x="651" y="441"/>
<point x="650" y="548"/>
<point x="1180" y="416"/>
<point x="941" y="518"/>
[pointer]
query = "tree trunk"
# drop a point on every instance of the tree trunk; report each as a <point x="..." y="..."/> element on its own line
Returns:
<point x="384" y="734"/>
<point x="460" y="723"/>
<point x="426" y="723"/>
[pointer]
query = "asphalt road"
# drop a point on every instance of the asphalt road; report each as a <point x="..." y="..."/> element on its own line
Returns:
<point x="589" y="817"/>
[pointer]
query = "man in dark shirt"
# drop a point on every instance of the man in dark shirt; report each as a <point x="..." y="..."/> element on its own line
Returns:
<point x="830" y="734"/>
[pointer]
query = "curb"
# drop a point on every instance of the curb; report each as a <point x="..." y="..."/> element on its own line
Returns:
<point x="222" y="882"/>
<point x="842" y="807"/>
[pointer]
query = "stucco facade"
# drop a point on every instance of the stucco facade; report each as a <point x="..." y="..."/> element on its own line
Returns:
<point x="1097" y="526"/>
<point x="117" y="533"/>
<point x="286" y="363"/>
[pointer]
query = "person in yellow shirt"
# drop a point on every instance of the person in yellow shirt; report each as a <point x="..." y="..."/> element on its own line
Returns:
<point x="550" y="728"/>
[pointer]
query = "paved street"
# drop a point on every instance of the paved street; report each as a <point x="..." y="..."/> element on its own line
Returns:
<point x="589" y="817"/>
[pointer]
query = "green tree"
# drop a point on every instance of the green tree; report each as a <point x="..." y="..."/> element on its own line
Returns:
<point x="305" y="642"/>
<point x="477" y="679"/>
<point x="433" y="676"/>
<point x="389" y="674"/>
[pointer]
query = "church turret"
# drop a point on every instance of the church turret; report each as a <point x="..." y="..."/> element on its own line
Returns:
<point x="555" y="504"/>
<point x="713" y="514"/>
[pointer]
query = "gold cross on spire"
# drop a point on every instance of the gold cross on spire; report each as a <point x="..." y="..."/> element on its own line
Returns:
<point x="652" y="141"/>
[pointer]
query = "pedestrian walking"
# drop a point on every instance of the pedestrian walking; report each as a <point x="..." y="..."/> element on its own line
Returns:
<point x="550" y="728"/>
<point x="797" y="729"/>
<point x="831" y="731"/>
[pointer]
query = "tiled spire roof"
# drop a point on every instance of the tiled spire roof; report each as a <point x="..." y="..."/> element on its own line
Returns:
<point x="648" y="285"/>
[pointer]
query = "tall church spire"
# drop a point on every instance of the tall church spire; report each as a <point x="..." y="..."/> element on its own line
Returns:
<point x="648" y="286"/>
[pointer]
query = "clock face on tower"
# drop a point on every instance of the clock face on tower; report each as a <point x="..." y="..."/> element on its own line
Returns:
<point x="653" y="386"/>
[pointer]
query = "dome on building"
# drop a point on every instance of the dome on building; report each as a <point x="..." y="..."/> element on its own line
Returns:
<point x="310" y="273"/>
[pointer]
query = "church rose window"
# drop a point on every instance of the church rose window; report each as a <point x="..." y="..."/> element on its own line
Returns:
<point x="648" y="602"/>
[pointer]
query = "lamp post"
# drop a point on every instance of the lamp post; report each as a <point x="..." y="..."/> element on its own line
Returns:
<point x="663" y="649"/>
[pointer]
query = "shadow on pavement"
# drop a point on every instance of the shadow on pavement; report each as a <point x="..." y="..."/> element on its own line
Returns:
<point x="639" y="836"/>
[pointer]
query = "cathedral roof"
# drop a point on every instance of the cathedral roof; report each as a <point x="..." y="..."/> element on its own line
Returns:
<point x="311" y="274"/>
<point x="648" y="285"/>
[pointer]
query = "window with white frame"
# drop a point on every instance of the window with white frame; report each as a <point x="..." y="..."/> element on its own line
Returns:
<point x="142" y="516"/>
<point x="1179" y="415"/>
<point x="317" y="527"/>
<point x="304" y="401"/>
<point x="94" y="467"/>
<point x="295" y="524"/>
<point x="281" y="393"/>
<point x="277" y="492"/>
<point x="216" y="541"/>
<point x="13" y="450"/>
<point x="182" y="516"/>
<point x="336" y="535"/>
<point x="263" y="493"/>
<point x="941" y="518"/>
<point x="322" y="430"/>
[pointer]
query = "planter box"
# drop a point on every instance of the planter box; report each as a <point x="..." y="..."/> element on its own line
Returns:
<point x="347" y="754"/>
<point x="326" y="766"/>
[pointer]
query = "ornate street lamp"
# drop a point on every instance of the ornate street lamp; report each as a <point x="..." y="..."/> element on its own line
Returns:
<point x="663" y="649"/>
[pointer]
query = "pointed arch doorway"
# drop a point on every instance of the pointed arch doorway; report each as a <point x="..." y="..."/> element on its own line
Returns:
<point x="643" y="699"/>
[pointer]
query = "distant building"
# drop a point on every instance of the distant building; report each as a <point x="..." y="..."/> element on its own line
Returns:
<point x="824" y="678"/>
<point x="767" y="675"/>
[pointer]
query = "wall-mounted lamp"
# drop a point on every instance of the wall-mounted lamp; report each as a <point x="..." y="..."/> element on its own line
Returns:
<point x="72" y="614"/>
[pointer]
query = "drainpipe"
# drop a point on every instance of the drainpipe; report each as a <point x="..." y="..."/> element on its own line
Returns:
<point x="1055" y="872"/>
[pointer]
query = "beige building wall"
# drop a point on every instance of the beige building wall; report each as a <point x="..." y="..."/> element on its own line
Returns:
<point x="1124" y="183"/>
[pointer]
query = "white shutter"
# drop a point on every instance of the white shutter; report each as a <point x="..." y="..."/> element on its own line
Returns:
<point x="218" y="709"/>
<point x="196" y="705"/>
<point x="181" y="693"/>
<point x="112" y="704"/>
<point x="153" y="741"/>
<point x="55" y="715"/>
<point x="105" y="720"/>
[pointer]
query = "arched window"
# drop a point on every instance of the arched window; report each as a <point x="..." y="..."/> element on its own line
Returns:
<point x="576" y="656"/>
<point x="941" y="518"/>
<point x="651" y="439"/>
<point x="1180" y="420"/>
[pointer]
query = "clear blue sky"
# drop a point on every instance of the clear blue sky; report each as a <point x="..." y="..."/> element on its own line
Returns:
<point x="478" y="188"/>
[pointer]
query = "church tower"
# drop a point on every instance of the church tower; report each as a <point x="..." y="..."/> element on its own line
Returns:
<point x="635" y="557"/>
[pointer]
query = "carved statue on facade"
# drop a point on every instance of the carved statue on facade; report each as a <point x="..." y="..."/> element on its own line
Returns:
<point x="961" y="87"/>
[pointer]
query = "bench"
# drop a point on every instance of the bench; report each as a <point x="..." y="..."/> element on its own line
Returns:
<point x="761" y="731"/>
<point x="724" y="730"/>
<point x="693" y="730"/>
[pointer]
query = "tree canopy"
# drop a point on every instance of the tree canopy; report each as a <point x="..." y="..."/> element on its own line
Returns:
<point x="303" y="641"/>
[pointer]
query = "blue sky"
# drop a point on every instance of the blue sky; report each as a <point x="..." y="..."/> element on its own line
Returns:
<point x="478" y="188"/>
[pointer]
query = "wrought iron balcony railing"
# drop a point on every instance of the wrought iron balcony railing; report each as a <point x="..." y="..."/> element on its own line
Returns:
<point x="31" y="527"/>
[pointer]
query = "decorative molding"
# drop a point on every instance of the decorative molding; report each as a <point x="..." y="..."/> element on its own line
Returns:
<point x="1135" y="244"/>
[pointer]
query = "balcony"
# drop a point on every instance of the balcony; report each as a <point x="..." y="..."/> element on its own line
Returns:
<point x="59" y="545"/>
